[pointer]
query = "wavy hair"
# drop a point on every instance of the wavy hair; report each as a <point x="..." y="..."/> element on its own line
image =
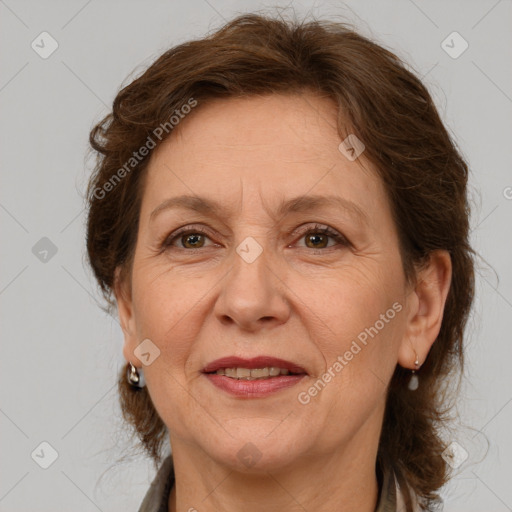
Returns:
<point x="383" y="104"/>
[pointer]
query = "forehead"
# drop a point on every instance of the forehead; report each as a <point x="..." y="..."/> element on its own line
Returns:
<point x="299" y="126"/>
<point x="262" y="149"/>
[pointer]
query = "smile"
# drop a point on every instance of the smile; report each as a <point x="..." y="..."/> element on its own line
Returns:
<point x="252" y="374"/>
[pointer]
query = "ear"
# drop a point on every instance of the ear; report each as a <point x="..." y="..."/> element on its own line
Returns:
<point x="122" y="292"/>
<point x="425" y="307"/>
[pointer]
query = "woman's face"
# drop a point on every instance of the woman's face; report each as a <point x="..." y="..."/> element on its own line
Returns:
<point x="255" y="275"/>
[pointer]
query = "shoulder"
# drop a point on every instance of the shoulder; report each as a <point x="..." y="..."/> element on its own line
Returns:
<point x="157" y="496"/>
<point x="400" y="500"/>
<point x="392" y="498"/>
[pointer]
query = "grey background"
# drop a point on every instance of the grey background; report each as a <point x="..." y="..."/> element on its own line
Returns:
<point x="60" y="353"/>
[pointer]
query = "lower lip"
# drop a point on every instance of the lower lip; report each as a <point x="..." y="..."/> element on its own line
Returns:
<point x="253" y="388"/>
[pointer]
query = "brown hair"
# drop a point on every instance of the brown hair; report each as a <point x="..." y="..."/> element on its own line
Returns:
<point x="383" y="104"/>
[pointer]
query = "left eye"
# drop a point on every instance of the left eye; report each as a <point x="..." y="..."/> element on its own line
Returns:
<point x="318" y="237"/>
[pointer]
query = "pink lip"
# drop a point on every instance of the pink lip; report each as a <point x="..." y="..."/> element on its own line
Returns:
<point x="255" y="362"/>
<point x="253" y="388"/>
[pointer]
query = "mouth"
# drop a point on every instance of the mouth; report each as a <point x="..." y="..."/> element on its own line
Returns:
<point x="256" y="377"/>
<point x="262" y="367"/>
<point x="254" y="374"/>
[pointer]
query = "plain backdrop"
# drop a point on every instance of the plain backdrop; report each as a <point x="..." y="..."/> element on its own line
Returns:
<point x="60" y="353"/>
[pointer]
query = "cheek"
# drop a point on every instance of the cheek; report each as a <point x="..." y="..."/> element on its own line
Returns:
<point x="165" y="307"/>
<point x="358" y="339"/>
<point x="356" y="320"/>
<point x="346" y="302"/>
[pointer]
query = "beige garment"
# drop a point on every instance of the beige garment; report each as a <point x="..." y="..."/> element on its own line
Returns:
<point x="157" y="496"/>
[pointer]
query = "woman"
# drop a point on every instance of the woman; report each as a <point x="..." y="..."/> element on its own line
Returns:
<point x="281" y="219"/>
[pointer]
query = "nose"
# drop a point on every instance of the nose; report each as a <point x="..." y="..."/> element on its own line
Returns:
<point x="253" y="295"/>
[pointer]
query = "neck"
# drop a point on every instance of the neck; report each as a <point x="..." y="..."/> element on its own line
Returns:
<point x="340" y="481"/>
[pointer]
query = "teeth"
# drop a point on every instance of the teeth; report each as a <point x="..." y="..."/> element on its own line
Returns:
<point x="242" y="373"/>
<point x="260" y="372"/>
<point x="252" y="374"/>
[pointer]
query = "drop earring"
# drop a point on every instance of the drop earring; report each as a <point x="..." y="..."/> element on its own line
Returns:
<point x="414" y="381"/>
<point x="135" y="379"/>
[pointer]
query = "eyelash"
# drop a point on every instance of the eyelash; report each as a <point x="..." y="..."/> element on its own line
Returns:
<point x="317" y="228"/>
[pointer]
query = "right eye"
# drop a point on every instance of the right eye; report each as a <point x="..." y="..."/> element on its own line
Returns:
<point x="188" y="238"/>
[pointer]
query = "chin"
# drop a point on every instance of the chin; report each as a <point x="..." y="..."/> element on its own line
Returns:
<point x="256" y="450"/>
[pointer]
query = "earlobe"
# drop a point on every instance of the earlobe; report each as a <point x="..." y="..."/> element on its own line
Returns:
<point x="426" y="308"/>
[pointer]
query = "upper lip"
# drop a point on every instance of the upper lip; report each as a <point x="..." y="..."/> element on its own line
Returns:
<point x="255" y="362"/>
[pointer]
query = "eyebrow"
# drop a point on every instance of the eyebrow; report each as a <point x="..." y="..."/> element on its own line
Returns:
<point x="295" y="205"/>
